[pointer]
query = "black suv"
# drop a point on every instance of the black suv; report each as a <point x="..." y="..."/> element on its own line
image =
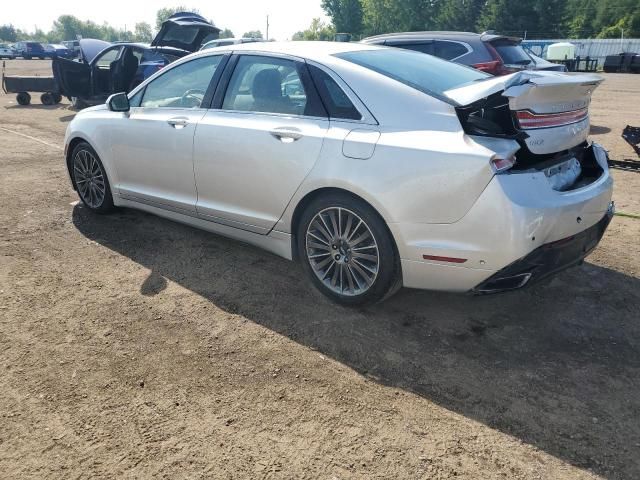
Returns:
<point x="494" y="54"/>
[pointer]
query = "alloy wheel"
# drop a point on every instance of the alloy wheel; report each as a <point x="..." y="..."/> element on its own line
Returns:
<point x="342" y="251"/>
<point x="89" y="178"/>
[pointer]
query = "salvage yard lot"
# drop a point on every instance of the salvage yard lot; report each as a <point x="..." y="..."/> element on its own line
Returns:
<point x="131" y="346"/>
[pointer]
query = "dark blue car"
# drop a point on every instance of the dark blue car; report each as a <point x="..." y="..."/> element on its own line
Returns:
<point x="106" y="68"/>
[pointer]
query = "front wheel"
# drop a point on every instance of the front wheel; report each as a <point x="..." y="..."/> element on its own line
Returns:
<point x="347" y="250"/>
<point x="90" y="179"/>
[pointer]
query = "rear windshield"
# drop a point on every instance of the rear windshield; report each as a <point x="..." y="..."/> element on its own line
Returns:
<point x="425" y="73"/>
<point x="511" y="53"/>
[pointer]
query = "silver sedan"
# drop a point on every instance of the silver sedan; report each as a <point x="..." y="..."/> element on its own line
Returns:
<point x="373" y="167"/>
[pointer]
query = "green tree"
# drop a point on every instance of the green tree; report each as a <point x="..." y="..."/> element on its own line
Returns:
<point x="226" y="33"/>
<point x="346" y="15"/>
<point x="142" y="32"/>
<point x="252" y="34"/>
<point x="164" y="13"/>
<point x="318" y="30"/>
<point x="461" y="15"/>
<point x="8" y="33"/>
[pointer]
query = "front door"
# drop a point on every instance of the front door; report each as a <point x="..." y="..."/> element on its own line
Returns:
<point x="251" y="155"/>
<point x="153" y="146"/>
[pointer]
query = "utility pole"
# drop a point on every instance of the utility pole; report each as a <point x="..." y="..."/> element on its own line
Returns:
<point x="267" y="28"/>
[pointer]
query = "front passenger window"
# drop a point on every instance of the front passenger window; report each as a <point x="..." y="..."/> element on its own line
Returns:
<point x="183" y="86"/>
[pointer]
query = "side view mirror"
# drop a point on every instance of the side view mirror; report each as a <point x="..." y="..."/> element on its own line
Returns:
<point x="118" y="102"/>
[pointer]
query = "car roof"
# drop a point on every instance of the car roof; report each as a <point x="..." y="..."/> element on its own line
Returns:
<point x="485" y="37"/>
<point x="305" y="49"/>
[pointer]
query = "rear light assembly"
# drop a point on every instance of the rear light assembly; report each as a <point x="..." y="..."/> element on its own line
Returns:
<point x="500" y="164"/>
<point x="529" y="120"/>
<point x="488" y="67"/>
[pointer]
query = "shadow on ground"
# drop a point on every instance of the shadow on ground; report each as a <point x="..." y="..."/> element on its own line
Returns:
<point x="557" y="366"/>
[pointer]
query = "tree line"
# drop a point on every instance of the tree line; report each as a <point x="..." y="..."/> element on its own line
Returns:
<point x="530" y="18"/>
<point x="69" y="27"/>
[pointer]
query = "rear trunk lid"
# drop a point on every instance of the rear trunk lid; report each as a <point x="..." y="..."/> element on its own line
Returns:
<point x="186" y="31"/>
<point x="549" y="110"/>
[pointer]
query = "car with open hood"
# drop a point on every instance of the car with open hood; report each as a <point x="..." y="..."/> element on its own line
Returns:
<point x="105" y="68"/>
<point x="373" y="167"/>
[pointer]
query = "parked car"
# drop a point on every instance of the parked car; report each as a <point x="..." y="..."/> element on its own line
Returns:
<point x="57" y="50"/>
<point x="7" y="51"/>
<point x="386" y="168"/>
<point x="223" y="42"/>
<point x="29" y="50"/>
<point x="107" y="68"/>
<point x="494" y="54"/>
<point x="73" y="46"/>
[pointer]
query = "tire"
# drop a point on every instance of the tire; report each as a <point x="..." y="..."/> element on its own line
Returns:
<point x="365" y="275"/>
<point x="47" y="99"/>
<point x="88" y="176"/>
<point x="57" y="98"/>
<point x="23" y="98"/>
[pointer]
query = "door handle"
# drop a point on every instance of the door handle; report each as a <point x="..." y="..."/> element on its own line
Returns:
<point x="286" y="134"/>
<point x="178" y="122"/>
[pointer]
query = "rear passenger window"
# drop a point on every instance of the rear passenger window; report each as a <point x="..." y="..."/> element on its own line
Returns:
<point x="336" y="101"/>
<point x="270" y="85"/>
<point x="449" y="50"/>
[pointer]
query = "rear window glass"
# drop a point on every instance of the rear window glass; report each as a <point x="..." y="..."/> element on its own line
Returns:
<point x="425" y="73"/>
<point x="511" y="53"/>
<point x="416" y="47"/>
<point x="449" y="50"/>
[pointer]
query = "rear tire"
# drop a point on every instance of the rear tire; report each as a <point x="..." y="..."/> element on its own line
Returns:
<point x="347" y="250"/>
<point x="23" y="98"/>
<point x="47" y="99"/>
<point x="90" y="179"/>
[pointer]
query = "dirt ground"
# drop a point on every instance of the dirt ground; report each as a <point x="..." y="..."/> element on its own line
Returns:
<point x="134" y="347"/>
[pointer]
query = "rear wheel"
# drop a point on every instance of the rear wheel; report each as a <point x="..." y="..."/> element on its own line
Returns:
<point x="23" y="98"/>
<point x="47" y="99"/>
<point x="347" y="250"/>
<point x="90" y="179"/>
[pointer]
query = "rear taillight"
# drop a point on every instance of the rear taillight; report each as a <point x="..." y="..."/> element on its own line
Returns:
<point x="501" y="164"/>
<point x="529" y="120"/>
<point x="488" y="67"/>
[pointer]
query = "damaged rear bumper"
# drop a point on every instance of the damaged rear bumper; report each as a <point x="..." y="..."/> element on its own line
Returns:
<point x="547" y="260"/>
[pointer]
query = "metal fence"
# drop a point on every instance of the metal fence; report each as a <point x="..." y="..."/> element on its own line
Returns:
<point x="592" y="48"/>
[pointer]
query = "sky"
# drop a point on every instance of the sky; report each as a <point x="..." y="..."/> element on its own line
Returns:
<point x="285" y="16"/>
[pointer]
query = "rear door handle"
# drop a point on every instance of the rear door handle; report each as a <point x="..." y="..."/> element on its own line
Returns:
<point x="287" y="134"/>
<point x="178" y="122"/>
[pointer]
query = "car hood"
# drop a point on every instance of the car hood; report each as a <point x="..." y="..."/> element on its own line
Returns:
<point x="550" y="107"/>
<point x="186" y="31"/>
<point x="91" y="47"/>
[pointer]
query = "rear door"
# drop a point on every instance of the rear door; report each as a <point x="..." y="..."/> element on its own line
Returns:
<point x="252" y="153"/>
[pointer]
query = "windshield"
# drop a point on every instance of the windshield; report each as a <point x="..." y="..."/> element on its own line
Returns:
<point x="423" y="72"/>
<point x="511" y="53"/>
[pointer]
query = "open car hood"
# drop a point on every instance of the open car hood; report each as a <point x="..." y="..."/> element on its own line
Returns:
<point x="91" y="47"/>
<point x="551" y="108"/>
<point x="186" y="31"/>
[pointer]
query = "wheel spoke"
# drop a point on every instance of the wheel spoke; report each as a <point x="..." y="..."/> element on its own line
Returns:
<point x="319" y="246"/>
<point x="367" y="278"/>
<point x="364" y="256"/>
<point x="328" y="237"/>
